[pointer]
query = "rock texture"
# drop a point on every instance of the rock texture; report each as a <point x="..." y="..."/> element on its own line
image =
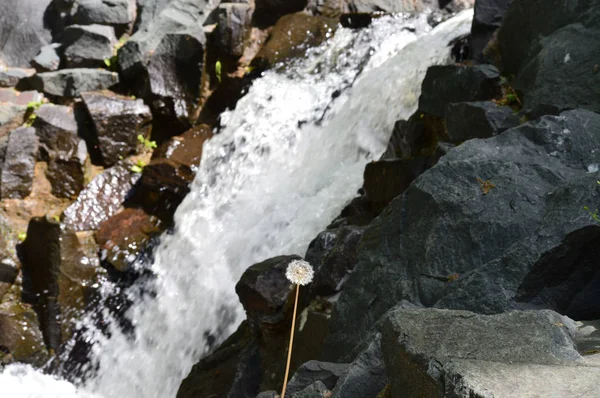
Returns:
<point x="486" y="21"/>
<point x="19" y="163"/>
<point x="457" y="353"/>
<point x="72" y="82"/>
<point x="433" y="245"/>
<point x="87" y="46"/>
<point x="467" y="120"/>
<point x="117" y="121"/>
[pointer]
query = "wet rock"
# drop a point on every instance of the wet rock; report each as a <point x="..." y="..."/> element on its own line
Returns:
<point x="263" y="289"/>
<point x="291" y="36"/>
<point x="417" y="136"/>
<point x="315" y="371"/>
<point x="87" y="46"/>
<point x="102" y="198"/>
<point x="165" y="181"/>
<point x="123" y="237"/>
<point x="232" y="370"/>
<point x="391" y="6"/>
<point x="233" y="27"/>
<point x="8" y="271"/>
<point x="48" y="59"/>
<point x="19" y="163"/>
<point x="358" y="212"/>
<point x="365" y="377"/>
<point x="267" y="12"/>
<point x="118" y="121"/>
<point x="20" y="42"/>
<point x="566" y="278"/>
<point x="59" y="271"/>
<point x="444" y="85"/>
<point x="10" y="77"/>
<point x="315" y="390"/>
<point x="62" y="148"/>
<point x="117" y="13"/>
<point x="268" y="394"/>
<point x="164" y="63"/>
<point x="386" y="179"/>
<point x="20" y="337"/>
<point x="485" y="212"/>
<point x="553" y="58"/>
<point x="73" y="82"/>
<point x="444" y="352"/>
<point x="467" y="120"/>
<point x="486" y="21"/>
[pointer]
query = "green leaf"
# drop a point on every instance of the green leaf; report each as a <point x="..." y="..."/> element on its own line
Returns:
<point x="218" y="70"/>
<point x="137" y="169"/>
<point x="22" y="236"/>
<point x="107" y="62"/>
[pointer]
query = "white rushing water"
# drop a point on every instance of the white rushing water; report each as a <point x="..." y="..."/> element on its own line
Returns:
<point x="285" y="164"/>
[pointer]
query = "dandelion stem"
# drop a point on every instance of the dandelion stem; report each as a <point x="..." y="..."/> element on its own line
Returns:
<point x="289" y="357"/>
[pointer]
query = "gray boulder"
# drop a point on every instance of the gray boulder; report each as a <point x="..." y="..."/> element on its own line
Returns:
<point x="486" y="21"/>
<point x="233" y="26"/>
<point x="447" y="84"/>
<point x="315" y="371"/>
<point x="10" y="77"/>
<point x="315" y="390"/>
<point x="88" y="46"/>
<point x="48" y="59"/>
<point x="19" y="164"/>
<point x="19" y="41"/>
<point x="466" y="233"/>
<point x="467" y="120"/>
<point x="72" y="82"/>
<point x="102" y="198"/>
<point x="462" y="354"/>
<point x="118" y="121"/>
<point x="117" y="13"/>
<point x="147" y="10"/>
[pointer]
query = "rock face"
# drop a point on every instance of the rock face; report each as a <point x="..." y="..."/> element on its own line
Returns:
<point x="58" y="271"/>
<point x="432" y="245"/>
<point x="267" y="12"/>
<point x="10" y="77"/>
<point x="552" y="57"/>
<point x="457" y="353"/>
<point x="48" y="59"/>
<point x="62" y="148"/>
<point x="19" y="163"/>
<point x="20" y="42"/>
<point x="72" y="82"/>
<point x="117" y="13"/>
<point x="314" y="371"/>
<point x="486" y="21"/>
<point x="444" y="85"/>
<point x="165" y="62"/>
<point x="88" y="46"/>
<point x="101" y="199"/>
<point x="466" y="120"/>
<point x="118" y="121"/>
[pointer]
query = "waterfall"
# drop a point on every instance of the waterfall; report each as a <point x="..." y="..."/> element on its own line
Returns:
<point x="289" y="157"/>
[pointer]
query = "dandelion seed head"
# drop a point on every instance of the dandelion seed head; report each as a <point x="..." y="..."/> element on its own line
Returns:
<point x="299" y="272"/>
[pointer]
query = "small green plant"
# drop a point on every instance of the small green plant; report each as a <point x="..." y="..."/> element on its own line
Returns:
<point x="594" y="214"/>
<point x="218" y="70"/>
<point x="22" y="236"/>
<point x="138" y="167"/>
<point x="149" y="145"/>
<point x="56" y="218"/>
<point x="31" y="108"/>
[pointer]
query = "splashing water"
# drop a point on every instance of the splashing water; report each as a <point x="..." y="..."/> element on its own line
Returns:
<point x="287" y="161"/>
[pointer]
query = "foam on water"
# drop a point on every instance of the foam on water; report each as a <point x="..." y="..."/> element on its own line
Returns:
<point x="287" y="161"/>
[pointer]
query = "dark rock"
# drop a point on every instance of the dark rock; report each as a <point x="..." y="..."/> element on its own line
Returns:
<point x="19" y="163"/>
<point x="417" y="136"/>
<point x="87" y="46"/>
<point x="356" y="20"/>
<point x="73" y="82"/>
<point x="268" y="394"/>
<point x="267" y="12"/>
<point x="462" y="354"/>
<point x="391" y="6"/>
<point x="48" y="59"/>
<point x="117" y="13"/>
<point x="313" y="371"/>
<point x="10" y="77"/>
<point x="62" y="148"/>
<point x="20" y="336"/>
<point x="566" y="278"/>
<point x="358" y="212"/>
<point x="231" y="371"/>
<point x="447" y="84"/>
<point x="315" y="390"/>
<point x="553" y="58"/>
<point x="20" y="42"/>
<point x="467" y="120"/>
<point x="486" y="21"/>
<point x="124" y="236"/>
<point x="233" y="27"/>
<point x="101" y="199"/>
<point x="147" y="10"/>
<point x="386" y="179"/>
<point x="263" y="289"/>
<point x="165" y="180"/>
<point x="467" y="232"/>
<point x="118" y="121"/>
<point x="59" y="269"/>
<point x="365" y="377"/>
<point x="163" y="64"/>
<point x="291" y="36"/>
<point x="225" y="96"/>
<point x="336" y="259"/>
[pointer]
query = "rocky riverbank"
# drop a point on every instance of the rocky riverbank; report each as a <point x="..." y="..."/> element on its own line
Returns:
<point x="467" y="265"/>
